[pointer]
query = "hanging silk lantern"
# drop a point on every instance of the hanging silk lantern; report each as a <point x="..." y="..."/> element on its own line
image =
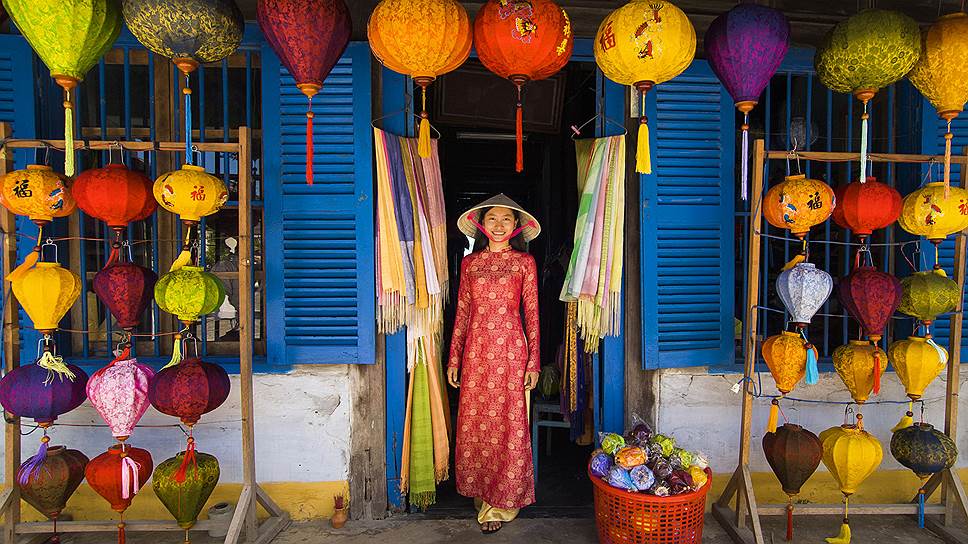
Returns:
<point x="860" y="365"/>
<point x="804" y="289"/>
<point x="851" y="454"/>
<point x="866" y="53"/>
<point x="70" y="37"/>
<point x="309" y="37"/>
<point x="46" y="292"/>
<point x="798" y="203"/>
<point x="929" y="213"/>
<point x="745" y="47"/>
<point x="189" y="32"/>
<point x="189" y="293"/>
<point x="189" y="389"/>
<point x="191" y="193"/>
<point x="917" y="361"/>
<point x="117" y="475"/>
<point x="47" y="480"/>
<point x="43" y="393"/>
<point x="941" y="73"/>
<point x="794" y="454"/>
<point x="871" y="297"/>
<point x="126" y="289"/>
<point x="184" y="483"/>
<point x="522" y="42"/>
<point x="925" y="451"/>
<point x="38" y="193"/>
<point x="119" y="393"/>
<point x="114" y="194"/>
<point x="928" y="294"/>
<point x="423" y="39"/>
<point x="642" y="44"/>
<point x="866" y="207"/>
<point x="786" y="356"/>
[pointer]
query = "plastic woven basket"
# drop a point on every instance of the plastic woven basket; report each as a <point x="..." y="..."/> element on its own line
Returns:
<point x="625" y="517"/>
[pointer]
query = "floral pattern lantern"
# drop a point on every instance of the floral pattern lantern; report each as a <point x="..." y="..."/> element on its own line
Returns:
<point x="851" y="454"/>
<point x="926" y="451"/>
<point x="70" y="37"/>
<point x="643" y="44"/>
<point x="114" y="194"/>
<point x="926" y="295"/>
<point x="933" y="214"/>
<point x="184" y="483"/>
<point x="860" y="365"/>
<point x="309" y="37"/>
<point x="38" y="193"/>
<point x="189" y="293"/>
<point x="126" y="289"/>
<point x="522" y="42"/>
<point x="189" y="389"/>
<point x="871" y="297"/>
<point x="119" y="393"/>
<point x="866" y="207"/>
<point x="794" y="454"/>
<point x="47" y="480"/>
<point x="804" y="289"/>
<point x="745" y="47"/>
<point x="117" y="475"/>
<point x="423" y="39"/>
<point x="798" y="203"/>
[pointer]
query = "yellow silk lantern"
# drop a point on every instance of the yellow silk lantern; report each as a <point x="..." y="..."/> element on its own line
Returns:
<point x="37" y="192"/>
<point x="928" y="294"/>
<point x="423" y="39"/>
<point x="941" y="73"/>
<point x="46" y="292"/>
<point x="860" y="365"/>
<point x="190" y="192"/>
<point x="917" y="361"/>
<point x="929" y="213"/>
<point x="851" y="454"/>
<point x="798" y="203"/>
<point x="645" y="43"/>
<point x="786" y="357"/>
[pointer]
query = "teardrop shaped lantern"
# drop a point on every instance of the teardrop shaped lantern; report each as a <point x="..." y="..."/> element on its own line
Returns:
<point x="851" y="454"/>
<point x="786" y="356"/>
<point x="871" y="297"/>
<point x="745" y="47"/>
<point x="188" y="32"/>
<point x="119" y="393"/>
<point x="38" y="193"/>
<point x="866" y="207"/>
<point x="309" y="37"/>
<point x="522" y="42"/>
<point x="865" y="53"/>
<point x="70" y="37"/>
<point x="794" y="454"/>
<point x="48" y="479"/>
<point x="114" y="194"/>
<point x="117" y="475"/>
<point x="184" y="483"/>
<point x="917" y="361"/>
<point x="803" y="290"/>
<point x="189" y="389"/>
<point x="189" y="293"/>
<point x="423" y="39"/>
<point x="191" y="193"/>
<point x="798" y="203"/>
<point x="941" y="73"/>
<point x="926" y="295"/>
<point x="860" y="365"/>
<point x="926" y="451"/>
<point x="43" y="393"/>
<point x="46" y="292"/>
<point x="126" y="289"/>
<point x="929" y="213"/>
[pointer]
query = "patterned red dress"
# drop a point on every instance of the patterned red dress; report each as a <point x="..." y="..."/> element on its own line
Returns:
<point x="493" y="350"/>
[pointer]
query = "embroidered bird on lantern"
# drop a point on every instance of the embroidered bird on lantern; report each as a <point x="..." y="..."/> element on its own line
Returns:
<point x="798" y="203"/>
<point x="38" y="193"/>
<point x="934" y="213"/>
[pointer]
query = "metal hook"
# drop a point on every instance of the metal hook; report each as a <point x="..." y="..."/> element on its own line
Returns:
<point x="115" y="144"/>
<point x="46" y="343"/>
<point x="127" y="244"/>
<point x="49" y="242"/>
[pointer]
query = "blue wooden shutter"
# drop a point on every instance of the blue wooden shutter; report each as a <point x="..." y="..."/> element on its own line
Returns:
<point x="319" y="240"/>
<point x="687" y="223"/>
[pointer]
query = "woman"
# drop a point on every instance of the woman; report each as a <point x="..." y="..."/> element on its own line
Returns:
<point x="497" y="358"/>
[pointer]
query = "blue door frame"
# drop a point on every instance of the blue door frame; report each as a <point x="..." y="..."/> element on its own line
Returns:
<point x="609" y="394"/>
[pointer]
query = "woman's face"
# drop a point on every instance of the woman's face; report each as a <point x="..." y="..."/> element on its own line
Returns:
<point x="499" y="223"/>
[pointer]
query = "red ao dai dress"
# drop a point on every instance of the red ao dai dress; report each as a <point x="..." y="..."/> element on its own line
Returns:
<point x="493" y="351"/>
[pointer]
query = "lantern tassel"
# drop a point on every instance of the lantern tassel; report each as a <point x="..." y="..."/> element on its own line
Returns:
<point x="423" y="138"/>
<point x="863" y="144"/>
<point x="190" y="458"/>
<point x="947" y="160"/>
<point x="519" y="134"/>
<point x="844" y="536"/>
<point x="877" y="371"/>
<point x="187" y="91"/>
<point x="29" y="261"/>
<point x="176" y="352"/>
<point x="69" y="168"/>
<point x="309" y="142"/>
<point x="121" y="537"/>
<point x="799" y="258"/>
<point x="129" y="477"/>
<point x="745" y="160"/>
<point x="942" y="354"/>
<point x="774" y="418"/>
<point x="643" y="159"/>
<point x="185" y="257"/>
<point x="55" y="367"/>
<point x="789" y="513"/>
<point x="921" y="508"/>
<point x="906" y="421"/>
<point x="813" y="373"/>
<point x="34" y="464"/>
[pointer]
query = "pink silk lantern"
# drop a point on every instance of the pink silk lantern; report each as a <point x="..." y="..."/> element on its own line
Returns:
<point x="119" y="393"/>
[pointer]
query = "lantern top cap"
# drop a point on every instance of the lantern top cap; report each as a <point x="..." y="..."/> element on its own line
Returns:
<point x="856" y="342"/>
<point x="920" y="339"/>
<point x="43" y="167"/>
<point x="789" y="333"/>
<point x="45" y="264"/>
<point x="191" y="268"/>
<point x="192" y="167"/>
<point x="955" y="15"/>
<point x="795" y="176"/>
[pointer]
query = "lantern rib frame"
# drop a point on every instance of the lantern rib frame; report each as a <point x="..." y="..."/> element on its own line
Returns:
<point x="737" y="510"/>
<point x="252" y="494"/>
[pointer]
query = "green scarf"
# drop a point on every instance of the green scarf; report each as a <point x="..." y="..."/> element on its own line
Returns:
<point x="423" y="488"/>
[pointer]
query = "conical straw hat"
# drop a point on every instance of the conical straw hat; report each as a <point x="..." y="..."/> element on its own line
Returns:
<point x="531" y="226"/>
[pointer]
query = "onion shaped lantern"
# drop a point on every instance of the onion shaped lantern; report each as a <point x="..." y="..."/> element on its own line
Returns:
<point x="851" y="454"/>
<point x="918" y="360"/>
<point x="423" y="39"/>
<point x="941" y="73"/>
<point x="184" y="483"/>
<point x="126" y="289"/>
<point x="189" y="389"/>
<point x="643" y="44"/>
<point x="189" y="293"/>
<point x="866" y="53"/>
<point x="70" y="37"/>
<point x="522" y="42"/>
<point x="114" y="194"/>
<point x="804" y="289"/>
<point x="38" y="193"/>
<point x="926" y="451"/>
<point x="798" y="203"/>
<point x="117" y="475"/>
<point x="47" y="480"/>
<point x="929" y="213"/>
<point x="745" y="47"/>
<point x="309" y="37"/>
<point x="44" y="390"/>
<point x="46" y="292"/>
<point x="928" y="294"/>
<point x="794" y="454"/>
<point x="866" y="207"/>
<point x="119" y="393"/>
<point x="786" y="356"/>
<point x="871" y="297"/>
<point x="860" y="365"/>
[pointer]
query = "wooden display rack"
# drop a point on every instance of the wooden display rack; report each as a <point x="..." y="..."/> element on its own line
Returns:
<point x="252" y="494"/>
<point x="740" y="486"/>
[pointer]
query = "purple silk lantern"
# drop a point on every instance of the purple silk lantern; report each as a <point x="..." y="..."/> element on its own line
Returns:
<point x="745" y="47"/>
<point x="126" y="289"/>
<point x="40" y="394"/>
<point x="119" y="392"/>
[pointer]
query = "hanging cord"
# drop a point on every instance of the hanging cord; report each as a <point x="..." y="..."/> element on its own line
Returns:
<point x="948" y="136"/>
<point x="863" y="142"/>
<point x="187" y="91"/>
<point x="519" y="132"/>
<point x="745" y="161"/>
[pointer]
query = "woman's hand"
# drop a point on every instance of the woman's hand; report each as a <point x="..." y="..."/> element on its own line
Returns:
<point x="452" y="378"/>
<point x="531" y="380"/>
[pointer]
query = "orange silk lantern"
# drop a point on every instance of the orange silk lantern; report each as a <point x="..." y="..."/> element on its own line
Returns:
<point x="522" y="42"/>
<point x="422" y="39"/>
<point x="866" y="207"/>
<point x="798" y="203"/>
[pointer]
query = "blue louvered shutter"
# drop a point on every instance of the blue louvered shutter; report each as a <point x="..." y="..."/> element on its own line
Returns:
<point x="687" y="223"/>
<point x="319" y="239"/>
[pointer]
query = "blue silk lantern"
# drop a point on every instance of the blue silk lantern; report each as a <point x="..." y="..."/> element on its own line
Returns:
<point x="42" y="394"/>
<point x="926" y="451"/>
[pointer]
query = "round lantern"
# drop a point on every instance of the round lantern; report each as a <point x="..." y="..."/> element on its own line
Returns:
<point x="871" y="297"/>
<point x="928" y="294"/>
<point x="184" y="483"/>
<point x="189" y="389"/>
<point x="522" y="42"/>
<point x="117" y="475"/>
<point x="860" y="365"/>
<point x="644" y="43"/>
<point x="189" y="32"/>
<point x="189" y="293"/>
<point x="309" y="37"/>
<point x="786" y="356"/>
<point x="126" y="289"/>
<point x="46" y="292"/>
<point x="41" y="392"/>
<point x="38" y="193"/>
<point x="794" y="454"/>
<point x="941" y="73"/>
<point x="423" y="39"/>
<point x="926" y="451"/>
<point x="119" y="393"/>
<point x="929" y="213"/>
<point x="745" y="47"/>
<point x="866" y="207"/>
<point x="114" y="194"/>
<point x="851" y="454"/>
<point x="917" y="361"/>
<point x="70" y="37"/>
<point x="865" y="53"/>
<point x="798" y="203"/>
<point x="191" y="193"/>
<point x="49" y="478"/>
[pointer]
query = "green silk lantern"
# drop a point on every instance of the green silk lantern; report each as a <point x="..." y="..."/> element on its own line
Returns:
<point x="189" y="293"/>
<point x="184" y="483"/>
<point x="70" y="37"/>
<point x="928" y="294"/>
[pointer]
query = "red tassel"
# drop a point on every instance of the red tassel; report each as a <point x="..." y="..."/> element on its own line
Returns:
<point x="180" y="474"/>
<point x="309" y="143"/>
<point x="121" y="538"/>
<point x="877" y="372"/>
<point x="519" y="167"/>
<point x="789" y="534"/>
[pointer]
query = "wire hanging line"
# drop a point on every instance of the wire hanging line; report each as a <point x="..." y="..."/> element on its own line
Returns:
<point x="757" y="392"/>
<point x="839" y="243"/>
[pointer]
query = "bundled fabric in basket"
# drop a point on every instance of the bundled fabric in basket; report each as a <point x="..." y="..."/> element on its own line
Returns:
<point x="594" y="278"/>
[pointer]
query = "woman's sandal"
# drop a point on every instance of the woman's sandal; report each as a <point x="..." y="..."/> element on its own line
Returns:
<point x="491" y="531"/>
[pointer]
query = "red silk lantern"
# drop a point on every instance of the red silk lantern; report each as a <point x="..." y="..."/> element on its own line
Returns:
<point x="866" y="207"/>
<point x="114" y="194"/>
<point x="309" y="37"/>
<point x="871" y="297"/>
<point x="117" y="475"/>
<point x="521" y="42"/>
<point x="189" y="389"/>
<point x="126" y="289"/>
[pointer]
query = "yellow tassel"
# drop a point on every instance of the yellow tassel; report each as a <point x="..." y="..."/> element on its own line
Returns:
<point x="55" y="366"/>
<point x="423" y="143"/>
<point x="906" y="421"/>
<point x="843" y="537"/>
<point x="801" y="258"/>
<point x="947" y="160"/>
<point x="643" y="157"/>
<point x="185" y="257"/>
<point x="176" y="352"/>
<point x="774" y="419"/>
<point x="29" y="261"/>
<point x="68" y="138"/>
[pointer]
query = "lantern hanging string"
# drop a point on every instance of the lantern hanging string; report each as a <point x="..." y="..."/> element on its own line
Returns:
<point x="820" y="314"/>
<point x="188" y="119"/>
<point x="756" y="387"/>
<point x="838" y="243"/>
<point x="745" y="159"/>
